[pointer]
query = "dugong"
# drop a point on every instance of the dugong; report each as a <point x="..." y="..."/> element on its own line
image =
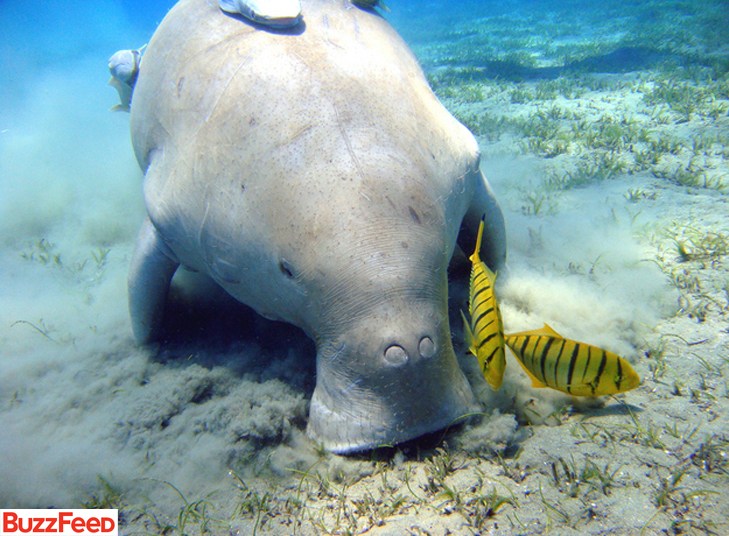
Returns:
<point x="312" y="173"/>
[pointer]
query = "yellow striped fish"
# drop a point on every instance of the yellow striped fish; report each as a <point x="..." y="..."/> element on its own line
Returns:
<point x="485" y="333"/>
<point x="572" y="367"/>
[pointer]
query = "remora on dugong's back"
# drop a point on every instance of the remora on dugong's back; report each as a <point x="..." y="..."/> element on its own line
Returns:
<point x="315" y="177"/>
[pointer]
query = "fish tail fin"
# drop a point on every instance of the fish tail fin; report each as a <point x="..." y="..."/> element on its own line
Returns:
<point x="476" y="252"/>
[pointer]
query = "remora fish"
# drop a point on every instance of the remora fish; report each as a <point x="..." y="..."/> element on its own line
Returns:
<point x="371" y="4"/>
<point x="273" y="13"/>
<point x="124" y="69"/>
<point x="569" y="366"/>
<point x="485" y="333"/>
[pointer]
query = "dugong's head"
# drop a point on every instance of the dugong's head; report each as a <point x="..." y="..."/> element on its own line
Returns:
<point x="371" y="291"/>
<point x="368" y="282"/>
<point x="388" y="373"/>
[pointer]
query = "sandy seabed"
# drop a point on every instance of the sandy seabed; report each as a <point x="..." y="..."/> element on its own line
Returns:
<point x="605" y="136"/>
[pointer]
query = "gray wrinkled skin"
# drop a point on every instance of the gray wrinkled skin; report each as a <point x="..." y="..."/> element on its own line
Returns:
<point x="315" y="177"/>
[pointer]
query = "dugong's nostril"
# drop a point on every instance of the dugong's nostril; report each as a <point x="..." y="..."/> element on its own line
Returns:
<point x="396" y="356"/>
<point x="426" y="347"/>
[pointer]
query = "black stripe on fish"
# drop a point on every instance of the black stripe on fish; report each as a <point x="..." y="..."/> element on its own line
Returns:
<point x="478" y="274"/>
<point x="556" y="364"/>
<point x="523" y="346"/>
<point x="573" y="361"/>
<point x="481" y="315"/>
<point x="478" y="279"/>
<point x="600" y="370"/>
<point x="482" y="328"/>
<point x="484" y="288"/>
<point x="619" y="375"/>
<point x="543" y="358"/>
<point x="587" y="364"/>
<point x="488" y="338"/>
<point x="534" y="342"/>
<point x="491" y="356"/>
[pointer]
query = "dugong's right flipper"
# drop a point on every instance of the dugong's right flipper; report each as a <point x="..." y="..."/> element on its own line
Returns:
<point x="153" y="265"/>
<point x="484" y="205"/>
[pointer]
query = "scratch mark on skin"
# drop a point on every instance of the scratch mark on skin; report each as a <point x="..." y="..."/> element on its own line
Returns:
<point x="200" y="232"/>
<point x="336" y="354"/>
<point x="301" y="59"/>
<point x="298" y="133"/>
<point x="348" y="144"/>
<point x="222" y="91"/>
<point x="353" y="385"/>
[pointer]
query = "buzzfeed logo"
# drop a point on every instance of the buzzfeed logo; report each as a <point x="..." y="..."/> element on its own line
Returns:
<point x="67" y="522"/>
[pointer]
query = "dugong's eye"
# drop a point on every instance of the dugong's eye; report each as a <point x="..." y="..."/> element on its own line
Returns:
<point x="286" y="269"/>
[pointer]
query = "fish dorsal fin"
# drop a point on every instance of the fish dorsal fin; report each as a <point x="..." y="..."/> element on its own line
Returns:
<point x="491" y="275"/>
<point x="549" y="331"/>
<point x="545" y="330"/>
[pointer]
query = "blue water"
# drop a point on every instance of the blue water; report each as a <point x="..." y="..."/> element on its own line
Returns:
<point x="71" y="204"/>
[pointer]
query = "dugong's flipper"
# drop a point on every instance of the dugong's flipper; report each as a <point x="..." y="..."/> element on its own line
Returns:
<point x="153" y="265"/>
<point x="273" y="13"/>
<point x="124" y="69"/>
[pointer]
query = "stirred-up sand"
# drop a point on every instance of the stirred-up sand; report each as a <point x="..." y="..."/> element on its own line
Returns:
<point x="605" y="135"/>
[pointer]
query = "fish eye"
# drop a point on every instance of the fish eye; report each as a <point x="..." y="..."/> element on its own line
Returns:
<point x="286" y="269"/>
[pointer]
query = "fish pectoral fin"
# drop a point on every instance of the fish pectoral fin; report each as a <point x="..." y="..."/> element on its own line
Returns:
<point x="468" y="334"/>
<point x="535" y="382"/>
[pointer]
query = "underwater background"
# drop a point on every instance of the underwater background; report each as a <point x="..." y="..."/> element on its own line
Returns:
<point x="604" y="131"/>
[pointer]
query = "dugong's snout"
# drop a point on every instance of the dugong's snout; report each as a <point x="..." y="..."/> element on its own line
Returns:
<point x="379" y="385"/>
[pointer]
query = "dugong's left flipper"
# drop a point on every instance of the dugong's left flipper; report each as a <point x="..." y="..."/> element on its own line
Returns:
<point x="484" y="205"/>
<point x="153" y="265"/>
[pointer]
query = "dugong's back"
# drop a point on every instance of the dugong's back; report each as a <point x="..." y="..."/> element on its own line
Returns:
<point x="287" y="101"/>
